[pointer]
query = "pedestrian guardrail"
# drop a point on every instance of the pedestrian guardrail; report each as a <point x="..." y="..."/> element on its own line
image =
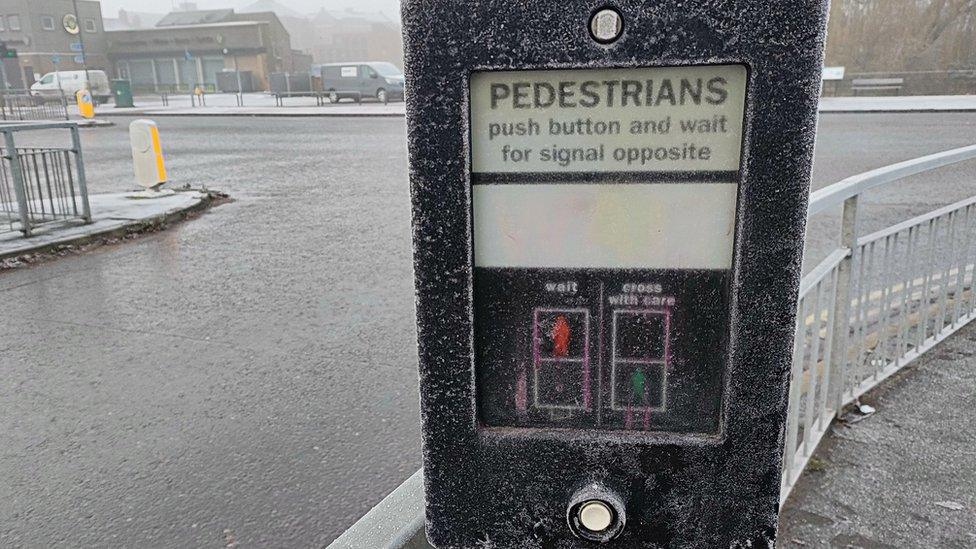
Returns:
<point x="871" y="307"/>
<point x="20" y="105"/>
<point x="40" y="185"/>
<point x="876" y="303"/>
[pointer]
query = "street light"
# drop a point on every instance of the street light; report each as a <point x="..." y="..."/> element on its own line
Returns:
<point x="81" y="43"/>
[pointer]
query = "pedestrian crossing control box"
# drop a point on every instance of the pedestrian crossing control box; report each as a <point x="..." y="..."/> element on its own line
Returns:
<point x="609" y="202"/>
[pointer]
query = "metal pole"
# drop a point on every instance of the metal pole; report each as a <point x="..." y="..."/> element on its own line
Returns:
<point x="81" y="44"/>
<point x="240" y="87"/>
<point x="17" y="174"/>
<point x="842" y="303"/>
<point x="80" y="167"/>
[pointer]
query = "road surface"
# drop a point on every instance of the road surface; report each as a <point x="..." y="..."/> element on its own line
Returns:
<point x="250" y="376"/>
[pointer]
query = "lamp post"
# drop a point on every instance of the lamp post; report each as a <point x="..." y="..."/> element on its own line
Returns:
<point x="81" y="43"/>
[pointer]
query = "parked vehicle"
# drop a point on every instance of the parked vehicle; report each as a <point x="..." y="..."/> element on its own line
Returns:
<point x="378" y="80"/>
<point x="53" y="84"/>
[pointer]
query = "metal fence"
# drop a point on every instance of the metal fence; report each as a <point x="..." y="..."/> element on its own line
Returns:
<point x="875" y="304"/>
<point x="40" y="185"/>
<point x="20" y="105"/>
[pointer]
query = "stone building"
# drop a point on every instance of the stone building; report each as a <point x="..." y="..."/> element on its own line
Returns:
<point x="48" y="35"/>
<point x="192" y="48"/>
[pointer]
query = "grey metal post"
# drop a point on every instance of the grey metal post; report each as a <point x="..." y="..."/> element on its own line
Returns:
<point x="842" y="303"/>
<point x="240" y="86"/>
<point x="80" y="167"/>
<point x="17" y="174"/>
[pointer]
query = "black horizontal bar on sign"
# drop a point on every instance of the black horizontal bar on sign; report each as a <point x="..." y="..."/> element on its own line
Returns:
<point x="502" y="178"/>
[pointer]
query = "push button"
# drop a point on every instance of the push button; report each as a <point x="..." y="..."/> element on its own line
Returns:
<point x="596" y="514"/>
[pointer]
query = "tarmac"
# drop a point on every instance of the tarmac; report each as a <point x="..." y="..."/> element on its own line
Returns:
<point x="227" y="379"/>
<point x="904" y="476"/>
<point x="112" y="215"/>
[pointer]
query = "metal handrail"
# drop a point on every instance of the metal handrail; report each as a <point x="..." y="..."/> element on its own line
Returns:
<point x="880" y="291"/>
<point x="840" y="293"/>
<point x="42" y="184"/>
<point x="837" y="193"/>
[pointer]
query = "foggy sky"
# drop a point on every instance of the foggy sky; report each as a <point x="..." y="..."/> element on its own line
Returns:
<point x="390" y="7"/>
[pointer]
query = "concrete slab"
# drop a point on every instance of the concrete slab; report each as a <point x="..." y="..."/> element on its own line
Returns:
<point x="112" y="214"/>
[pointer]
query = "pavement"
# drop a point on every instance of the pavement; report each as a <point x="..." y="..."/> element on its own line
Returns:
<point x="907" y="103"/>
<point x="905" y="476"/>
<point x="112" y="214"/>
<point x="250" y="376"/>
<point x="255" y="104"/>
<point x="263" y="104"/>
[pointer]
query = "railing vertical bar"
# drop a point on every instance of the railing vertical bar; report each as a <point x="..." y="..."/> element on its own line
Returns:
<point x="884" y="306"/>
<point x="810" y="420"/>
<point x="962" y="265"/>
<point x="946" y="270"/>
<point x="793" y="406"/>
<point x="906" y="293"/>
<point x="17" y="178"/>
<point x="842" y="300"/>
<point x="971" y="260"/>
<point x="80" y="170"/>
<point x="826" y="408"/>
<point x="859" y="317"/>
<point x="926" y="292"/>
<point x="864" y="360"/>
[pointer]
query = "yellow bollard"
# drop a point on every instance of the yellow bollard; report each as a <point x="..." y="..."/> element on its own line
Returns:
<point x="86" y="106"/>
<point x="147" y="153"/>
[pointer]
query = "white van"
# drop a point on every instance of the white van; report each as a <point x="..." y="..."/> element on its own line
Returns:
<point x="52" y="84"/>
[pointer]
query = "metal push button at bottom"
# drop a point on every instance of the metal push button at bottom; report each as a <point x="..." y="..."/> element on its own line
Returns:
<point x="596" y="514"/>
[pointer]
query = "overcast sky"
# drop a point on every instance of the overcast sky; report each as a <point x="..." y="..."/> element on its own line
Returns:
<point x="390" y="7"/>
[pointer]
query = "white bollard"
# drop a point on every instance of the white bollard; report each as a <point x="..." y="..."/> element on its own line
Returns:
<point x="147" y="154"/>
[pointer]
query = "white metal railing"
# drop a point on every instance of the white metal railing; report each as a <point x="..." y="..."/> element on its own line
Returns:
<point x="869" y="308"/>
<point x="876" y="303"/>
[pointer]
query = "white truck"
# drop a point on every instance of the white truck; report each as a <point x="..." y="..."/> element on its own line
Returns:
<point x="53" y="84"/>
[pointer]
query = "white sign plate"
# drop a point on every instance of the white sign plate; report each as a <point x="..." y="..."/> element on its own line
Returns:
<point x="616" y="168"/>
<point x="615" y="120"/>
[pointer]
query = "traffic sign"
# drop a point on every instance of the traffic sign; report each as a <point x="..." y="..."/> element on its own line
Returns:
<point x="76" y="46"/>
<point x="80" y="58"/>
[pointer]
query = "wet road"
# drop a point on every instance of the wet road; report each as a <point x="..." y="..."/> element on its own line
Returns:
<point x="250" y="376"/>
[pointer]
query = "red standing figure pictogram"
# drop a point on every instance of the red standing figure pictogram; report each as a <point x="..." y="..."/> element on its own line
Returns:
<point x="560" y="337"/>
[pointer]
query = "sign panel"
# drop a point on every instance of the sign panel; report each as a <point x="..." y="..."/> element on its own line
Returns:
<point x="834" y="73"/>
<point x="604" y="213"/>
<point x="617" y="120"/>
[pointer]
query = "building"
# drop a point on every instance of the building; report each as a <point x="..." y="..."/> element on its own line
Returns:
<point x="186" y="49"/>
<point x="298" y="25"/>
<point x="48" y="35"/>
<point x="131" y="20"/>
<point x="350" y="35"/>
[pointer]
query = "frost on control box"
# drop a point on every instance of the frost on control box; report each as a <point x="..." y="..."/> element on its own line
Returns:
<point x="604" y="223"/>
